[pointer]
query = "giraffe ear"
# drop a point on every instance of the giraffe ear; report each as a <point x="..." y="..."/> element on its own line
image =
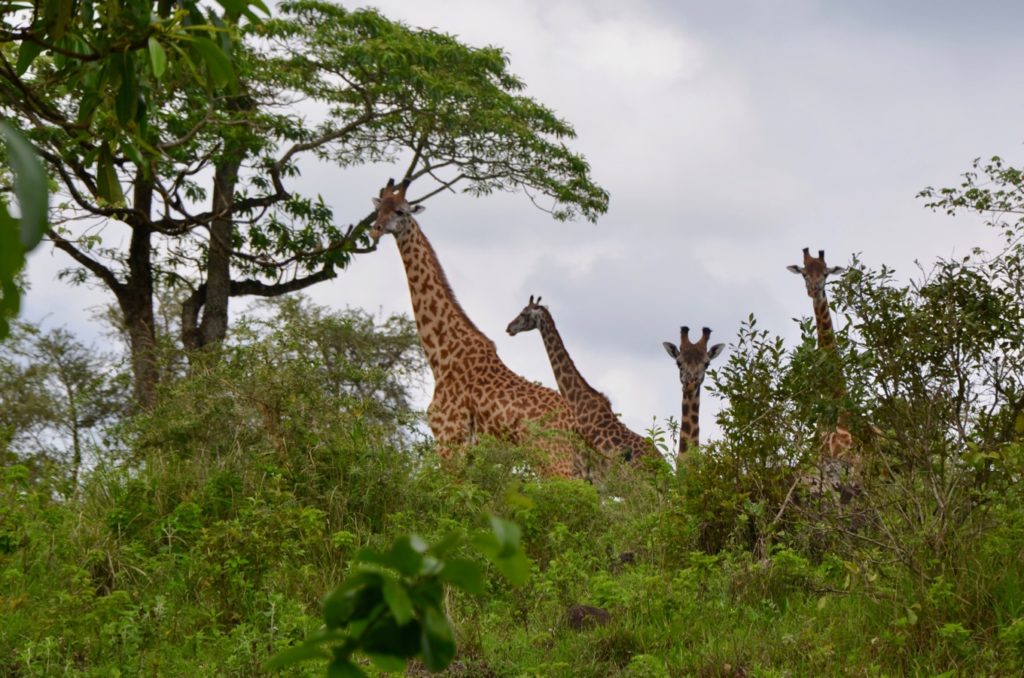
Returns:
<point x="795" y="269"/>
<point x="671" y="349"/>
<point x="376" y="202"/>
<point x="416" y="209"/>
<point x="715" y="351"/>
<point x="836" y="270"/>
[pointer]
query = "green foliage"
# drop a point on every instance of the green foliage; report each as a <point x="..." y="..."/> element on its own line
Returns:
<point x="395" y="611"/>
<point x="57" y="396"/>
<point x="19" y="236"/>
<point x="206" y="535"/>
<point x="146" y="110"/>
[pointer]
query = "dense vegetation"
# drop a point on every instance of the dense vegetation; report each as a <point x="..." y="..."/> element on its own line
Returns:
<point x="199" y="525"/>
<point x="201" y="536"/>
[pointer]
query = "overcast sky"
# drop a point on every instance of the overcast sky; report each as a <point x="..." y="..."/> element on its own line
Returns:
<point x="729" y="134"/>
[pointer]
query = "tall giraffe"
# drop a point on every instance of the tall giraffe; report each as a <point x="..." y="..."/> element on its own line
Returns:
<point x="815" y="271"/>
<point x="693" y="359"/>
<point x="598" y="425"/>
<point x="474" y="391"/>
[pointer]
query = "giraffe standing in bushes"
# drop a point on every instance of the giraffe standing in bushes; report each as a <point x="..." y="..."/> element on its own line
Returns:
<point x="692" y="359"/>
<point x="837" y="442"/>
<point x="598" y="425"/>
<point x="474" y="391"/>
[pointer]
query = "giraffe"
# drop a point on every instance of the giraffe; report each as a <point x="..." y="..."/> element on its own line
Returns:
<point x="474" y="391"/>
<point x="598" y="425"/>
<point x="815" y="271"/>
<point x="693" y="359"/>
<point x="839" y="470"/>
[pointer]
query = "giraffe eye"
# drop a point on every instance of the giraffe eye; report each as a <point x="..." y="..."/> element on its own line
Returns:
<point x="400" y="212"/>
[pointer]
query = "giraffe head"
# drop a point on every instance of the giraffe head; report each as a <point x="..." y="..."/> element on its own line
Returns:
<point x="528" y="319"/>
<point x="692" y="357"/>
<point x="814" y="271"/>
<point x="393" y="211"/>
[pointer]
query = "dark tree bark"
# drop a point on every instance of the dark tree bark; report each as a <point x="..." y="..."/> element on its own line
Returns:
<point x="135" y="297"/>
<point x="214" y="325"/>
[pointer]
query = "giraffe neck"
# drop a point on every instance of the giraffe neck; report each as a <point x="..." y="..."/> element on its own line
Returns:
<point x="689" y="422"/>
<point x="570" y="382"/>
<point x="442" y="323"/>
<point x="823" y="322"/>
<point x="827" y="342"/>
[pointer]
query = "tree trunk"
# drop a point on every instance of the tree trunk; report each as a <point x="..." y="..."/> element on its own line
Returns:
<point x="214" y="325"/>
<point x="136" y="300"/>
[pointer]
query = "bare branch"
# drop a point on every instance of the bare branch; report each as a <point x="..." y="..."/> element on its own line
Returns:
<point x="240" y="288"/>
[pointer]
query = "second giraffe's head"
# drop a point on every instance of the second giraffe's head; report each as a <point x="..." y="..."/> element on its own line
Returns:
<point x="393" y="210"/>
<point x="528" y="319"/>
<point x="814" y="271"/>
<point x="692" y="357"/>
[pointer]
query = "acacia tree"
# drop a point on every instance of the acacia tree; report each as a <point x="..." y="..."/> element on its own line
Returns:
<point x="200" y="182"/>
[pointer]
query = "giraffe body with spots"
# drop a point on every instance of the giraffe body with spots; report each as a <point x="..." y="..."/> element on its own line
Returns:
<point x="475" y="392"/>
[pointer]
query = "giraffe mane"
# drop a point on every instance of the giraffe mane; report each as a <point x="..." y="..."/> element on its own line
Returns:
<point x="446" y="285"/>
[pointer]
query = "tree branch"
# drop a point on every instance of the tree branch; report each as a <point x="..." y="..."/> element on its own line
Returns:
<point x="95" y="267"/>
<point x="275" y="169"/>
<point x="240" y="288"/>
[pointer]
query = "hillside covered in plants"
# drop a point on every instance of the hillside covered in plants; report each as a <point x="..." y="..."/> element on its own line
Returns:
<point x="229" y="479"/>
<point x="200" y="537"/>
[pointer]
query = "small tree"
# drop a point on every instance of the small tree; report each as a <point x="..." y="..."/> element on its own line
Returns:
<point x="57" y="394"/>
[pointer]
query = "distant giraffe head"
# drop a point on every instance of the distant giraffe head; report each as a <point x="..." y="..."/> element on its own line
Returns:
<point x="393" y="210"/>
<point x="528" y="319"/>
<point x="692" y="359"/>
<point x="815" y="271"/>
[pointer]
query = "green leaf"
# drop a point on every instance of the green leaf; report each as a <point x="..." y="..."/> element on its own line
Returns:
<point x="446" y="544"/>
<point x="217" y="63"/>
<point x="515" y="567"/>
<point x="507" y="534"/>
<point x="386" y="637"/>
<point x="398" y="600"/>
<point x="437" y="641"/>
<point x="108" y="186"/>
<point x="341" y="667"/>
<point x="30" y="186"/>
<point x="12" y="259"/>
<point x="465" y="574"/>
<point x="234" y="8"/>
<point x="299" y="653"/>
<point x="157" y="57"/>
<point x="405" y="555"/>
<point x="354" y="599"/>
<point x="57" y="14"/>
<point x="127" y="101"/>
<point x="27" y="53"/>
<point x="911" y="616"/>
<point x="388" y="663"/>
<point x="132" y="153"/>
